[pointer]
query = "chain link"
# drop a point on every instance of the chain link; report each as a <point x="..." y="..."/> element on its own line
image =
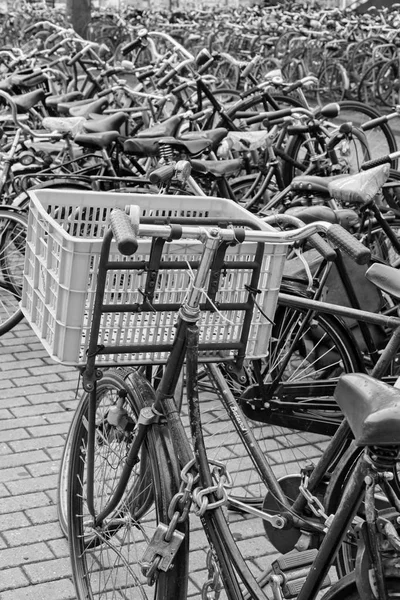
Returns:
<point x="314" y="504"/>
<point x="201" y="496"/>
<point x="211" y="589"/>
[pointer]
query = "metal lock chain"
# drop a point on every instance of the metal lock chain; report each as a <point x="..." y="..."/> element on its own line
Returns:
<point x="211" y="589"/>
<point x="201" y="496"/>
<point x="313" y="503"/>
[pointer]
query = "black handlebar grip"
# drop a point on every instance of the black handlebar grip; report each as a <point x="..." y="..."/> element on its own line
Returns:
<point x="317" y="242"/>
<point x="293" y="86"/>
<point x="145" y="74"/>
<point x="164" y="80"/>
<point x="124" y="231"/>
<point x="296" y="129"/>
<point x="271" y="122"/>
<point x="198" y="115"/>
<point x="77" y="57"/>
<point x="206" y="66"/>
<point x="343" y="240"/>
<point x="258" y="118"/>
<point x="370" y="164"/>
<point x="162" y="174"/>
<point x="374" y="123"/>
<point x="180" y="88"/>
<point x="272" y="115"/>
<point x="131" y="46"/>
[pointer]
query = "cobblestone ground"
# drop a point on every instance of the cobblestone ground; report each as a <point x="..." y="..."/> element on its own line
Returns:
<point x="38" y="398"/>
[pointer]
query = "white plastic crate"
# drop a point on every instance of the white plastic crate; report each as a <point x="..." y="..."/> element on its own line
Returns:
<point x="65" y="232"/>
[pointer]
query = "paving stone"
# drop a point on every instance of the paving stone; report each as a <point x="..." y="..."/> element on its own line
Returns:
<point x="33" y="484"/>
<point x="23" y="502"/>
<point x="48" y="570"/>
<point x="12" y="557"/>
<point x="29" y="535"/>
<point x="22" y="458"/>
<point x="12" y="578"/>
<point x="36" y="443"/>
<point x="62" y="589"/>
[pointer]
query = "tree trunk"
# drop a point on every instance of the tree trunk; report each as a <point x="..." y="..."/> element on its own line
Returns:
<point x="79" y="14"/>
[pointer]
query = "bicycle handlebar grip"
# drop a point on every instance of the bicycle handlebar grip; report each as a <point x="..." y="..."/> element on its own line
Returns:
<point x="292" y="86"/>
<point x="164" y="80"/>
<point x="77" y="57"/>
<point x="345" y="241"/>
<point x="317" y="242"/>
<point x="374" y="123"/>
<point x="180" y="88"/>
<point x="296" y="129"/>
<point x="162" y="174"/>
<point x="145" y="74"/>
<point x="206" y="66"/>
<point x="124" y="231"/>
<point x="273" y="115"/>
<point x="370" y="164"/>
<point x="131" y="46"/>
<point x="198" y="115"/>
<point x="272" y="122"/>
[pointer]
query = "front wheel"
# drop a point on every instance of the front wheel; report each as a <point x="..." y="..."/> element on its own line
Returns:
<point x="107" y="559"/>
<point x="13" y="228"/>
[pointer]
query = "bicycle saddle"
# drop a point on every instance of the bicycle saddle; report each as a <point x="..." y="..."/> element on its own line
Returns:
<point x="386" y="278"/>
<point x="150" y="146"/>
<point x="313" y="183"/>
<point x="218" y="168"/>
<point x="215" y="136"/>
<point x="346" y="217"/>
<point x="96" y="140"/>
<point x="310" y="214"/>
<point x="106" y="123"/>
<point x="166" y="128"/>
<point x="25" y="102"/>
<point x="84" y="110"/>
<point x="54" y="101"/>
<point x="360" y="188"/>
<point x="372" y="409"/>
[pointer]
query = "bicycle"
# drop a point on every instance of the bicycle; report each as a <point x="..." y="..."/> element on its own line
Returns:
<point x="101" y="434"/>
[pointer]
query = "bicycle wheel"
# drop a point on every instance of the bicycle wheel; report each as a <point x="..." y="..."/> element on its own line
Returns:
<point x="388" y="83"/>
<point x="110" y="385"/>
<point x="106" y="559"/>
<point x="13" y="228"/>
<point x="367" y="90"/>
<point x="381" y="246"/>
<point x="381" y="139"/>
<point x="291" y="426"/>
<point x="346" y="558"/>
<point x="333" y="82"/>
<point x="348" y="153"/>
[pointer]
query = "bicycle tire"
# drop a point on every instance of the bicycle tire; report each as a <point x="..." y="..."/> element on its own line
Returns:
<point x="347" y="155"/>
<point x="13" y="230"/>
<point x="107" y="558"/>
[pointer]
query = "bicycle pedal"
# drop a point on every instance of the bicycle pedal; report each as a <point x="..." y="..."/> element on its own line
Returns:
<point x="292" y="569"/>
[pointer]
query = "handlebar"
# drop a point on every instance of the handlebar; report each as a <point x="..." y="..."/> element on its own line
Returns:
<point x="334" y="232"/>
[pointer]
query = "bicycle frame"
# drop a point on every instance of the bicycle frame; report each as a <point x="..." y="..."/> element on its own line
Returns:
<point x="219" y="535"/>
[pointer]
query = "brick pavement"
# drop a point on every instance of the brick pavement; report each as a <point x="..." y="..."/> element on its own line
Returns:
<point x="37" y="400"/>
<point x="36" y="406"/>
